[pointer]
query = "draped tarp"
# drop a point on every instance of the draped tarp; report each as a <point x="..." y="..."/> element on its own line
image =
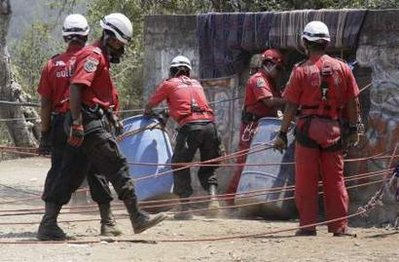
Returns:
<point x="228" y="40"/>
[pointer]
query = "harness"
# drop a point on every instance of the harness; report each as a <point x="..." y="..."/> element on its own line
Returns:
<point x="322" y="112"/>
<point x="250" y="120"/>
<point x="302" y="136"/>
<point x="195" y="108"/>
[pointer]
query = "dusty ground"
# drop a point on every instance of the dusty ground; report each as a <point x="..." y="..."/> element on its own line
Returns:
<point x="23" y="179"/>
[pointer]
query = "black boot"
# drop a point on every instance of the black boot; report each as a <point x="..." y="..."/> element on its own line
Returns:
<point x="141" y="221"/>
<point x="184" y="212"/>
<point x="108" y="224"/>
<point x="48" y="228"/>
<point x="213" y="206"/>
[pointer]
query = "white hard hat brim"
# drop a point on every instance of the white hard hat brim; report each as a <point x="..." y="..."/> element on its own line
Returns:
<point x="117" y="34"/>
<point x="178" y="65"/>
<point x="316" y="38"/>
<point x="82" y="33"/>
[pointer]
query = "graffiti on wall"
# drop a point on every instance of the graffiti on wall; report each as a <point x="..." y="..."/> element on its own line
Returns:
<point x="383" y="120"/>
<point x="224" y="99"/>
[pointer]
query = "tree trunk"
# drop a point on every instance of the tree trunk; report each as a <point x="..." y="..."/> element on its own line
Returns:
<point x="21" y="131"/>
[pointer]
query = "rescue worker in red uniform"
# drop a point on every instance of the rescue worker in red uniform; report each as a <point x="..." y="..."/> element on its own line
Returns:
<point x="92" y="99"/>
<point x="189" y="107"/>
<point x="262" y="99"/>
<point x="54" y="92"/>
<point x="325" y="91"/>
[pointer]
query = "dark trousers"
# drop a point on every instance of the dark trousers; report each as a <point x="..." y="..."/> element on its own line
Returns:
<point x="190" y="138"/>
<point x="101" y="150"/>
<point x="69" y="167"/>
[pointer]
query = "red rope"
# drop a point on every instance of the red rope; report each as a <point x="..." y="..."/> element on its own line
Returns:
<point x="194" y="211"/>
<point x="151" y="203"/>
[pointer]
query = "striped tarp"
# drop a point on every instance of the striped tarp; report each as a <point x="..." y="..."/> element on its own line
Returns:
<point x="228" y="40"/>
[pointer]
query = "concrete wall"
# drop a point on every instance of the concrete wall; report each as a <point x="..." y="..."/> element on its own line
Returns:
<point x="378" y="50"/>
<point x="378" y="56"/>
<point x="166" y="37"/>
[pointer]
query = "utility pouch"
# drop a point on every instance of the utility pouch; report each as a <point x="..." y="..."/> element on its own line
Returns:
<point x="325" y="131"/>
<point x="92" y="121"/>
<point x="316" y="131"/>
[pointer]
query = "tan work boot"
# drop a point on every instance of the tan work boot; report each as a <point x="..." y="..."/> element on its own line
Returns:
<point x="184" y="212"/>
<point x="214" y="205"/>
<point x="108" y="223"/>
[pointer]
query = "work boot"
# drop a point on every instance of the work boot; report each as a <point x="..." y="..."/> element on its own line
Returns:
<point x="213" y="206"/>
<point x="140" y="220"/>
<point x="184" y="212"/>
<point x="346" y="232"/>
<point x="48" y="228"/>
<point x="108" y="223"/>
<point x="305" y="232"/>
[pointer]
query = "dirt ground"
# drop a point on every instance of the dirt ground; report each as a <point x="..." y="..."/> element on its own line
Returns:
<point x="195" y="240"/>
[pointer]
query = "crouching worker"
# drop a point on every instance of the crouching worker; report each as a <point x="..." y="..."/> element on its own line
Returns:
<point x="189" y="107"/>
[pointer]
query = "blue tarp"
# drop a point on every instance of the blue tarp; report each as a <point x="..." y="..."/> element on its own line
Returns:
<point x="228" y="40"/>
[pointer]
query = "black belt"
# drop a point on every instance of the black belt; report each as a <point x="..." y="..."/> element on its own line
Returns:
<point x="58" y="113"/>
<point x="198" y="122"/>
<point x="247" y="117"/>
<point x="326" y="107"/>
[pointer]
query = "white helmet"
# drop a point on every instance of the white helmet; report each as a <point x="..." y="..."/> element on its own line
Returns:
<point x="75" y="24"/>
<point x="316" y="31"/>
<point x="180" y="61"/>
<point x="120" y="25"/>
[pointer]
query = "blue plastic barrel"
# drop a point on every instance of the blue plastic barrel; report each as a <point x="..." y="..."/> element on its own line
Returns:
<point x="146" y="142"/>
<point x="260" y="177"/>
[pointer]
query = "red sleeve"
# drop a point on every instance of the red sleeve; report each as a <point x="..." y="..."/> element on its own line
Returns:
<point x="292" y="92"/>
<point x="160" y="94"/>
<point x="115" y="98"/>
<point x="44" y="88"/>
<point x="86" y="68"/>
<point x="261" y="88"/>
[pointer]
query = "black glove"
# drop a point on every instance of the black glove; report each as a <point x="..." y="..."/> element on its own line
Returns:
<point x="45" y="144"/>
<point x="281" y="142"/>
<point x="163" y="117"/>
<point x="118" y="127"/>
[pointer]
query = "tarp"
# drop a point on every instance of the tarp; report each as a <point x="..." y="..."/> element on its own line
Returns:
<point x="228" y="40"/>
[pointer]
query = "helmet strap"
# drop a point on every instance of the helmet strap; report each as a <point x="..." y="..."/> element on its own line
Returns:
<point x="76" y="39"/>
<point x="178" y="71"/>
<point x="114" y="54"/>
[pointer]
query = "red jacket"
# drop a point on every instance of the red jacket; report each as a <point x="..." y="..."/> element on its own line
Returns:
<point x="258" y="87"/>
<point x="304" y="86"/>
<point x="92" y="71"/>
<point x="55" y="78"/>
<point x="185" y="98"/>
